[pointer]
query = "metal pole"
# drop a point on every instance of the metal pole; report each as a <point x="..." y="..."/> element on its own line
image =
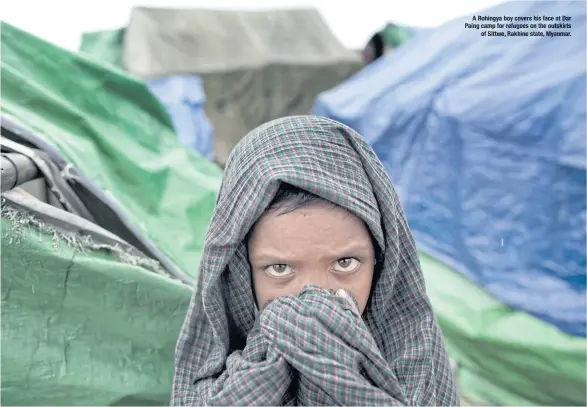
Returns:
<point x="16" y="170"/>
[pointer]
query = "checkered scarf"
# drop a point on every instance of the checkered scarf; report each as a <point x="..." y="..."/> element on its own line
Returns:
<point x="309" y="349"/>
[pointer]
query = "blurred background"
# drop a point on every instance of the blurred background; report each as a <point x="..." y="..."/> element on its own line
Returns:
<point x="117" y="120"/>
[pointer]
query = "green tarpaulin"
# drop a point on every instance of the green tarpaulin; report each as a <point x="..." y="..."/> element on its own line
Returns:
<point x="114" y="130"/>
<point x="504" y="357"/>
<point x="395" y="35"/>
<point x="105" y="45"/>
<point x="83" y="326"/>
<point x="80" y="327"/>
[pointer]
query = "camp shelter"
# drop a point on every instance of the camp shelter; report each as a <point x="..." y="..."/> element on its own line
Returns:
<point x="103" y="218"/>
<point x="111" y="128"/>
<point x="184" y="99"/>
<point x="484" y="139"/>
<point x="106" y="46"/>
<point x="87" y="319"/>
<point x="395" y="35"/>
<point x="501" y="356"/>
<point x="182" y="95"/>
<point x="255" y="65"/>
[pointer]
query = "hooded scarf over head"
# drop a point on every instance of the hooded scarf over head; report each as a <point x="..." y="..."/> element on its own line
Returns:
<point x="309" y="350"/>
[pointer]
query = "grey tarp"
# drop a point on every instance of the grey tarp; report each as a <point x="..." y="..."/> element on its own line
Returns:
<point x="256" y="66"/>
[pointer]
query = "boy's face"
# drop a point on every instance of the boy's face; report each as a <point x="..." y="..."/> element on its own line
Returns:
<point x="318" y="244"/>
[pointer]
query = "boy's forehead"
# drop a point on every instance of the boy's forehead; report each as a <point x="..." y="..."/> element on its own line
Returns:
<point x="315" y="227"/>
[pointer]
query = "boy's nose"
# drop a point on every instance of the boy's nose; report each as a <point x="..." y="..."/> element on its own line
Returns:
<point x="322" y="279"/>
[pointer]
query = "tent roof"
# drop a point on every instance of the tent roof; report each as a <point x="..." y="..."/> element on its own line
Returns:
<point x="167" y="41"/>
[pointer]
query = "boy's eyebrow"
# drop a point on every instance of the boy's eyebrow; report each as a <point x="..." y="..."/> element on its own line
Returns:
<point x="353" y="248"/>
<point x="271" y="256"/>
<point x="348" y="250"/>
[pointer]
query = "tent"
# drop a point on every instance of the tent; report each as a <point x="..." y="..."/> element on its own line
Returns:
<point x="182" y="95"/>
<point x="106" y="46"/>
<point x="484" y="137"/>
<point x="255" y="66"/>
<point x="103" y="217"/>
<point x="86" y="318"/>
<point x="485" y="142"/>
<point x="118" y="135"/>
<point x="390" y="37"/>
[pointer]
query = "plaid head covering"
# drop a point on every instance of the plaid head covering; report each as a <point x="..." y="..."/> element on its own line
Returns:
<point x="309" y="350"/>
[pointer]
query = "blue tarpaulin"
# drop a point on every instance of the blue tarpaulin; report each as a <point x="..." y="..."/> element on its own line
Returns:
<point x="484" y="137"/>
<point x="183" y="97"/>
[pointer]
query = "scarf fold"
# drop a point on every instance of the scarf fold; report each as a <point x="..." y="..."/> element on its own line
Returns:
<point x="309" y="349"/>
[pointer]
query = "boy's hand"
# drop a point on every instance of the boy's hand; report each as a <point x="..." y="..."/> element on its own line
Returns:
<point x="321" y="335"/>
<point x="350" y="298"/>
<point x="317" y="319"/>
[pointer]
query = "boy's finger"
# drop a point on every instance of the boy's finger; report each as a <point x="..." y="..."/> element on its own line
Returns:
<point x="344" y="294"/>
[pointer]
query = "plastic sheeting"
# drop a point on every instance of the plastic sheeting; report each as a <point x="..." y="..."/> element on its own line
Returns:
<point x="255" y="65"/>
<point x="105" y="45"/>
<point x="485" y="139"/>
<point x="118" y="135"/>
<point x="80" y="327"/>
<point x="161" y="41"/>
<point x="183" y="96"/>
<point x="503" y="357"/>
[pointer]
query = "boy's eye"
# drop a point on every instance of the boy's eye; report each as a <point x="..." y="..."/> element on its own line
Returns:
<point x="279" y="270"/>
<point x="346" y="265"/>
